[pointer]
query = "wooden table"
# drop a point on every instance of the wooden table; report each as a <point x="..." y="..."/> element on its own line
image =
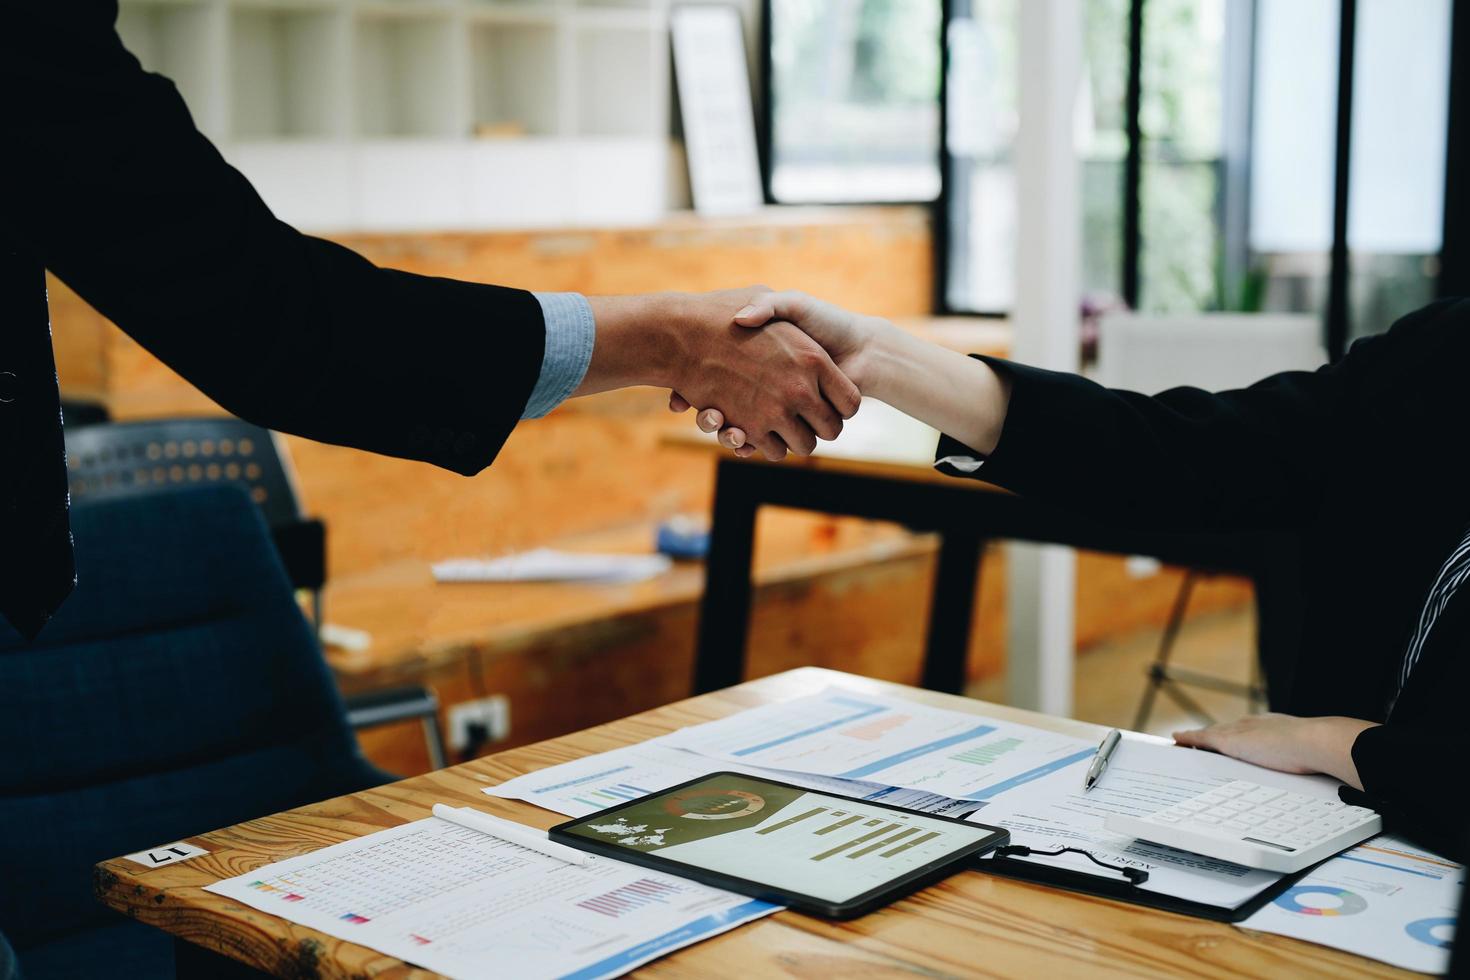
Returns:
<point x="973" y="924"/>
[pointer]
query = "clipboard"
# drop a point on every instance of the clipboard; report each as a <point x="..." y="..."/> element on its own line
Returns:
<point x="1101" y="886"/>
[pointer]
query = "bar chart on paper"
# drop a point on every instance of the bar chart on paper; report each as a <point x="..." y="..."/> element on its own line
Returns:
<point x="634" y="895"/>
<point x="586" y="786"/>
<point x="464" y="903"/>
<point x="610" y="793"/>
<point x="841" y="735"/>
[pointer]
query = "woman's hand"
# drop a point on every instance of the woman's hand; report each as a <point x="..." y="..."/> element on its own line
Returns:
<point x="1286" y="743"/>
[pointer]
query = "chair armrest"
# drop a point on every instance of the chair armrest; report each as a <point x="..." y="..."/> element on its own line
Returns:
<point x="395" y="704"/>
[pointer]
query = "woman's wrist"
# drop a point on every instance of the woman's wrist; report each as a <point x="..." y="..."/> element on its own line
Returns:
<point x="881" y="359"/>
<point x="958" y="395"/>
<point x="1330" y="743"/>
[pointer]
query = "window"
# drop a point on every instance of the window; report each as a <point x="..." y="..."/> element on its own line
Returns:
<point x="1181" y="181"/>
<point x="1237" y="118"/>
<point x="853" y="100"/>
<point x="981" y="141"/>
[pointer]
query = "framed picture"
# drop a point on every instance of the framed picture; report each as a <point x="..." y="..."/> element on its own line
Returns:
<point x="714" y="103"/>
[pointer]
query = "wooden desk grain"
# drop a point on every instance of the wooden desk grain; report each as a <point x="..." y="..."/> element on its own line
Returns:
<point x="970" y="925"/>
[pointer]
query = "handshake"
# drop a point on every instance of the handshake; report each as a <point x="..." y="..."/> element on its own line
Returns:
<point x="772" y="372"/>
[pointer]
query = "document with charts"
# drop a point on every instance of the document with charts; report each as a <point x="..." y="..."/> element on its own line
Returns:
<point x="1385" y="899"/>
<point x="1145" y="775"/>
<point x="585" y="786"/>
<point x="889" y="741"/>
<point x="467" y="904"/>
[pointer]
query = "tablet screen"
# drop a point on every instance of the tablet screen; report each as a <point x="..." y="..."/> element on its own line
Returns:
<point x="789" y="839"/>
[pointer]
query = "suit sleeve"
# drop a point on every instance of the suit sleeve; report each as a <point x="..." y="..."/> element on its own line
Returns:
<point x="109" y="182"/>
<point x="1405" y="777"/>
<point x="1192" y="460"/>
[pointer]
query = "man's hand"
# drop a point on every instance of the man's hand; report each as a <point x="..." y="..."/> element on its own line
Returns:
<point x="1286" y="743"/>
<point x="845" y="336"/>
<point x="777" y="384"/>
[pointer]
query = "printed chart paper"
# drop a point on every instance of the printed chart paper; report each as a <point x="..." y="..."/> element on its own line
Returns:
<point x="470" y="905"/>
<point x="586" y="786"/>
<point x="888" y="741"/>
<point x="1143" y="777"/>
<point x="1384" y="899"/>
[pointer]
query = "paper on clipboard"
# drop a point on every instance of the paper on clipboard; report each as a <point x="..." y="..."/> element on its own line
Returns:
<point x="1145" y="775"/>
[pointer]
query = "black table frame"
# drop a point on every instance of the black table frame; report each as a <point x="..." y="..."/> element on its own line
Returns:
<point x="964" y="513"/>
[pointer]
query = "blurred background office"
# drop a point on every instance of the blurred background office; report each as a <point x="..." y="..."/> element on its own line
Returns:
<point x="1159" y="191"/>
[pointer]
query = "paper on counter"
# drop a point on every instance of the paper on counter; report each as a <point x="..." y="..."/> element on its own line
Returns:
<point x="550" y="565"/>
<point x="469" y="905"/>
<point x="588" y="785"/>
<point x="889" y="741"/>
<point x="1385" y="899"/>
<point x="1143" y="777"/>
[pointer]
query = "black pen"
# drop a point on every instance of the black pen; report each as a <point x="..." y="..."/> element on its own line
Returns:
<point x="1100" y="759"/>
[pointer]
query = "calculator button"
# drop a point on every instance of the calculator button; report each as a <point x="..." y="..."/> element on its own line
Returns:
<point x="1206" y="818"/>
<point x="1276" y="826"/>
<point x="1164" y="818"/>
<point x="1300" y="799"/>
<point x="1269" y="812"/>
<point x="1231" y="791"/>
<point x="1262" y="794"/>
<point x="1236" y="825"/>
<point x="1237" y="805"/>
<point x="1334" y="804"/>
<point x="1251" y="819"/>
<point x="1193" y="806"/>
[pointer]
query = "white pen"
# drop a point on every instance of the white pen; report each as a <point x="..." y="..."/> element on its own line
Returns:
<point x="508" y="830"/>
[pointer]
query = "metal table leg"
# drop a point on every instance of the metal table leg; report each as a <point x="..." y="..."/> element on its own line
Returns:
<point x="951" y="611"/>
<point x="724" y="609"/>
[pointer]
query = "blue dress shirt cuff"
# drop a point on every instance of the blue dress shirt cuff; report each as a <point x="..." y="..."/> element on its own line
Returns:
<point x="570" y="331"/>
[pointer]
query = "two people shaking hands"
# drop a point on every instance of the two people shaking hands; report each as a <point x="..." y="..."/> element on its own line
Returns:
<point x="112" y="188"/>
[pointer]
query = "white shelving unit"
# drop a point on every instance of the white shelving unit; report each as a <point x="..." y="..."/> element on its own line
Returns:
<point x="427" y="114"/>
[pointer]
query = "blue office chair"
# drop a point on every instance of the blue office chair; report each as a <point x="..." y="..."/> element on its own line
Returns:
<point x="122" y="459"/>
<point x="178" y="690"/>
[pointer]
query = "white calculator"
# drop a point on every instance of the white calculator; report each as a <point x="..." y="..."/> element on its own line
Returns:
<point x="1255" y="825"/>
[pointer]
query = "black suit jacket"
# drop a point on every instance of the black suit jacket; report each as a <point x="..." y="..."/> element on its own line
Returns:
<point x="1360" y="467"/>
<point x="105" y="181"/>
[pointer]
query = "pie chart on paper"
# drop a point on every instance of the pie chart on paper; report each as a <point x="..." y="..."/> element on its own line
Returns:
<point x="1433" y="932"/>
<point x="1321" y="900"/>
